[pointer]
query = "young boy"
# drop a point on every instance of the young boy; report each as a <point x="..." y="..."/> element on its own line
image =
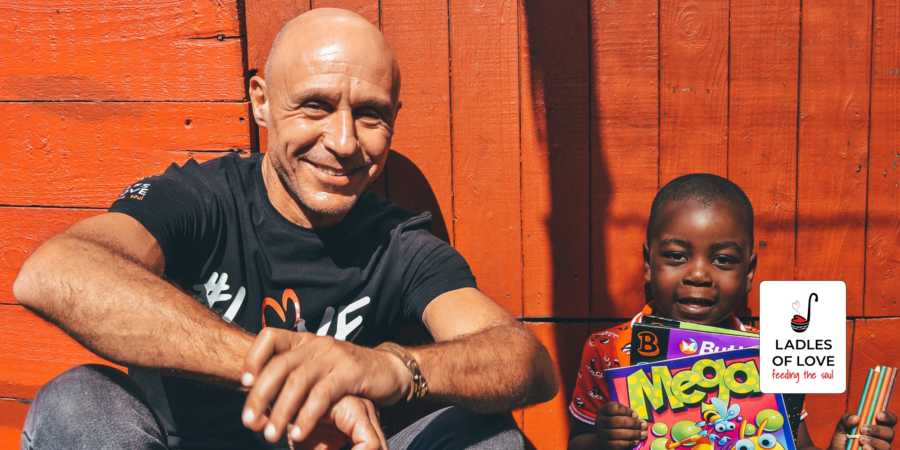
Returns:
<point x="698" y="266"/>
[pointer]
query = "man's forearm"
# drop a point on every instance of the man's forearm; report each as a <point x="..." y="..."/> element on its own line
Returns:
<point x="124" y="312"/>
<point x="494" y="370"/>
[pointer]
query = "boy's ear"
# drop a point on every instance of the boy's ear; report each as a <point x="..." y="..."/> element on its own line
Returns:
<point x="259" y="100"/>
<point x="751" y="271"/>
<point x="646" y="251"/>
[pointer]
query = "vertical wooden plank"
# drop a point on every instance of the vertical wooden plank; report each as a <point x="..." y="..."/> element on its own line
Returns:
<point x="883" y="218"/>
<point x="762" y="143"/>
<point x="485" y="124"/>
<point x="694" y="95"/>
<point x="547" y="424"/>
<point x="834" y="104"/>
<point x="420" y="176"/>
<point x="365" y="8"/>
<point x="554" y="79"/>
<point x="264" y="18"/>
<point x="624" y="152"/>
<point x="12" y="419"/>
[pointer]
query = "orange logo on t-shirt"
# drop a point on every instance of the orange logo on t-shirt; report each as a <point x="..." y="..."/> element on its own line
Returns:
<point x="288" y="297"/>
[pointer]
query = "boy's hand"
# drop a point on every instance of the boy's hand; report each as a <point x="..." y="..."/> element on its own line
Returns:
<point x="618" y="427"/>
<point x="877" y="437"/>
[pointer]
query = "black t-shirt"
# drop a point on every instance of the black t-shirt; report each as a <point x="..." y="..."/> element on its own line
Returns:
<point x="226" y="245"/>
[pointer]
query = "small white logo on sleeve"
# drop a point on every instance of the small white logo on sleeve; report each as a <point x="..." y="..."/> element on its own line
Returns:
<point x="803" y="336"/>
<point x="136" y="191"/>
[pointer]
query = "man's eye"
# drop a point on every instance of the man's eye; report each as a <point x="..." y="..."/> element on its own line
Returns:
<point x="368" y="114"/>
<point x="316" y="107"/>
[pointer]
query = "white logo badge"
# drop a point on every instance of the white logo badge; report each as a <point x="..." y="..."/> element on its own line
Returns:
<point x="803" y="339"/>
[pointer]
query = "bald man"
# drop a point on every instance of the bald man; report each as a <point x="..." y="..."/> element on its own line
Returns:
<point x="255" y="299"/>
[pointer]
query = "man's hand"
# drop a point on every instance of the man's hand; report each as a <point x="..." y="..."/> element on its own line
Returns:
<point x="351" y="417"/>
<point x="301" y="376"/>
<point x="618" y="427"/>
<point x="877" y="437"/>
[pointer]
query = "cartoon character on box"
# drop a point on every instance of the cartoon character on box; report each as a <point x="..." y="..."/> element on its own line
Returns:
<point x="720" y="421"/>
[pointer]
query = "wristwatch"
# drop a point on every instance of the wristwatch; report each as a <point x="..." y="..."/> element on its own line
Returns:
<point x="419" y="384"/>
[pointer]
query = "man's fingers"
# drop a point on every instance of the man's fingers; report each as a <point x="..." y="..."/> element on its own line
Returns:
<point x="320" y="399"/>
<point x="289" y="401"/>
<point x="620" y="434"/>
<point x="355" y="417"/>
<point x="269" y="383"/>
<point x="373" y="418"/>
<point x="269" y="342"/>
<point x="621" y="445"/>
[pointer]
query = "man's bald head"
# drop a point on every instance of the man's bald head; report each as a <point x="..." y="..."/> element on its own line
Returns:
<point x="321" y="33"/>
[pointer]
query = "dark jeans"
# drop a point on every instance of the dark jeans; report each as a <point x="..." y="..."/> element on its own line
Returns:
<point x="97" y="407"/>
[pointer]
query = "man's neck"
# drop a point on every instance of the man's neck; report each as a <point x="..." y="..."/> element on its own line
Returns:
<point x="285" y="203"/>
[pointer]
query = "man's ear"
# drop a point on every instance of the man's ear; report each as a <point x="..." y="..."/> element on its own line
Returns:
<point x="751" y="272"/>
<point x="259" y="100"/>
<point x="646" y="251"/>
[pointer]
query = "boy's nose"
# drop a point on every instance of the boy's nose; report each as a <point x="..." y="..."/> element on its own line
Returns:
<point x="698" y="276"/>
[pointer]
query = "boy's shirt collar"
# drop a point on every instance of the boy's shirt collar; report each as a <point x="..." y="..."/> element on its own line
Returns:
<point x="736" y="323"/>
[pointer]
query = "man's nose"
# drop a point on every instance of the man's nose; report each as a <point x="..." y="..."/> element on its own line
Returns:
<point x="698" y="274"/>
<point x="340" y="135"/>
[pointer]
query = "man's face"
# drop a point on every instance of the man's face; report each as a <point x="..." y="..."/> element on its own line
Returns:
<point x="329" y="122"/>
<point x="699" y="263"/>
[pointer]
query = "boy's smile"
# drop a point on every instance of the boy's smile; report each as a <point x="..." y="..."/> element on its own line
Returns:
<point x="699" y="261"/>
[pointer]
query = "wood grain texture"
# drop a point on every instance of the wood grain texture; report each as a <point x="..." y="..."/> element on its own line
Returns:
<point x="762" y="127"/>
<point x="264" y="18"/>
<point x="694" y="95"/>
<point x="883" y="217"/>
<point x="833" y="146"/>
<point x="84" y="154"/>
<point x="624" y="151"/>
<point x="547" y="424"/>
<point x="365" y="8"/>
<point x="26" y="229"/>
<point x="421" y="176"/>
<point x="485" y="124"/>
<point x="12" y="418"/>
<point x="34" y="351"/>
<point x="554" y="90"/>
<point x="120" y="50"/>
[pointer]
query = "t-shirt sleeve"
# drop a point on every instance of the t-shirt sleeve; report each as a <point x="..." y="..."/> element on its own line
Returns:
<point x="178" y="208"/>
<point x="433" y="268"/>
<point x="590" y="392"/>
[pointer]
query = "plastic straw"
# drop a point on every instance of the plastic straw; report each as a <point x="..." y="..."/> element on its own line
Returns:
<point x="886" y="386"/>
<point x="859" y="407"/>
<point x="867" y="404"/>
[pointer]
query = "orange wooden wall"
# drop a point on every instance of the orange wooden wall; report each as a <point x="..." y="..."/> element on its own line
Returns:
<point x="537" y="130"/>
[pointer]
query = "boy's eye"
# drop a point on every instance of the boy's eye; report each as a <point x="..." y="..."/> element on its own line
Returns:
<point x="675" y="256"/>
<point x="725" y="260"/>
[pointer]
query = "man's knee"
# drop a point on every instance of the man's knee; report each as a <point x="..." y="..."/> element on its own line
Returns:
<point x="91" y="397"/>
<point x="455" y="428"/>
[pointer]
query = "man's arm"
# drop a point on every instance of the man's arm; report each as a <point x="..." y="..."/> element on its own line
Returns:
<point x="483" y="360"/>
<point x="101" y="282"/>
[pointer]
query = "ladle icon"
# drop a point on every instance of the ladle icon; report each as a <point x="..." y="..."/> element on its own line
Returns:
<point x="800" y="323"/>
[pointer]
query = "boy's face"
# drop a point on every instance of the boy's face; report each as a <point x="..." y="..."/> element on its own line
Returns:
<point x="699" y="262"/>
